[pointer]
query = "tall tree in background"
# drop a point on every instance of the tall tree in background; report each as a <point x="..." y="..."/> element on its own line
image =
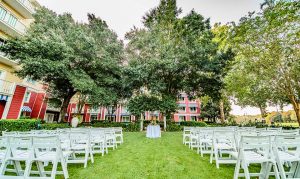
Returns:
<point x="267" y="46"/>
<point x="171" y="54"/>
<point x="70" y="57"/>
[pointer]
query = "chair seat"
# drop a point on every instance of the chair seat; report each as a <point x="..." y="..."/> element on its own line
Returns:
<point x="224" y="146"/>
<point x="254" y="157"/>
<point x="287" y="156"/>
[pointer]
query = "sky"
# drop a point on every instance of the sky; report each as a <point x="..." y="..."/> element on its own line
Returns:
<point x="122" y="15"/>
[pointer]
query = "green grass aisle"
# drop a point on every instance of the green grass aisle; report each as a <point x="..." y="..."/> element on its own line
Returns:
<point x="140" y="157"/>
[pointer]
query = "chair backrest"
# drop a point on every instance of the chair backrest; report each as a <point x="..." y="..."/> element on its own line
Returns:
<point x="5" y="133"/>
<point x="256" y="143"/>
<point x="291" y="142"/>
<point x="187" y="130"/>
<point x="290" y="132"/>
<point x="82" y="137"/>
<point x="45" y="142"/>
<point x="223" y="136"/>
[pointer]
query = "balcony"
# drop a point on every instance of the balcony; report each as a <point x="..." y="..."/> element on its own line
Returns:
<point x="24" y="7"/>
<point x="10" y="24"/>
<point x="6" y="87"/>
<point x="52" y="108"/>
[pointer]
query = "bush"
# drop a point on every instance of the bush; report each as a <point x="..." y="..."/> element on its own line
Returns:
<point x="19" y="124"/>
<point x="193" y="123"/>
<point x="127" y="126"/>
<point x="173" y="127"/>
<point x="54" y="126"/>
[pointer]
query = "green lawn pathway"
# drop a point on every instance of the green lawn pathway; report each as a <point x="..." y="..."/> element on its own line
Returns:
<point x="140" y="157"/>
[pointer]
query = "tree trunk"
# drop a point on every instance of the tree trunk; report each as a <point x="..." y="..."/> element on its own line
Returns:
<point x="222" y="114"/>
<point x="141" y="123"/>
<point x="263" y="111"/>
<point x="64" y="106"/>
<point x="296" y="107"/>
<point x="165" y="123"/>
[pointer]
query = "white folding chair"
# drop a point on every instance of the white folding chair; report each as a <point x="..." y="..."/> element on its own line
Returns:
<point x="255" y="150"/>
<point x="287" y="154"/>
<point x="194" y="138"/>
<point x="110" y="139"/>
<point x="186" y="135"/>
<point x="18" y="151"/>
<point x="119" y="135"/>
<point x="205" y="141"/>
<point x="80" y="144"/>
<point x="223" y="143"/>
<point x="98" y="141"/>
<point x="46" y="149"/>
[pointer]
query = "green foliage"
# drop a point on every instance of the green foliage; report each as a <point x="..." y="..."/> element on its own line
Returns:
<point x="193" y="123"/>
<point x="267" y="64"/>
<point x="18" y="125"/>
<point x="210" y="110"/>
<point x="142" y="103"/>
<point x="173" y="54"/>
<point x="54" y="126"/>
<point x="70" y="57"/>
<point x="173" y="127"/>
<point x="128" y="127"/>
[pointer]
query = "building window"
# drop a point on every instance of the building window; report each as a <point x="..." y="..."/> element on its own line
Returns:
<point x="111" y="118"/>
<point x="94" y="118"/>
<point x="180" y="98"/>
<point x="181" y="108"/>
<point x="193" y="109"/>
<point x="193" y="118"/>
<point x="12" y="20"/>
<point x="182" y="118"/>
<point x="30" y="80"/>
<point x="3" y="13"/>
<point x="125" y="118"/>
<point x="27" y="97"/>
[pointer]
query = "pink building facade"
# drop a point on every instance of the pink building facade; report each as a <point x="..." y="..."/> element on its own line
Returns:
<point x="188" y="110"/>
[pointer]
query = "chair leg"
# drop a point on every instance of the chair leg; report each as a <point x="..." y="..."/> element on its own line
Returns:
<point x="86" y="156"/>
<point x="211" y="155"/>
<point x="54" y="169"/>
<point x="3" y="167"/>
<point x="217" y="158"/>
<point x="246" y="170"/>
<point x="64" y="167"/>
<point x="237" y="169"/>
<point x="276" y="171"/>
<point x="28" y="169"/>
<point x="41" y="169"/>
<point x="18" y="168"/>
<point x="92" y="156"/>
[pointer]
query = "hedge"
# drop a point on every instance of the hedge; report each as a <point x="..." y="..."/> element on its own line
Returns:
<point x="19" y="125"/>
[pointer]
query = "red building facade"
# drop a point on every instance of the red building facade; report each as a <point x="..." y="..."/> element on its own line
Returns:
<point x="189" y="110"/>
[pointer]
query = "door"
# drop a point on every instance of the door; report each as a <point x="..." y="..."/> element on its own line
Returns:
<point x="49" y="118"/>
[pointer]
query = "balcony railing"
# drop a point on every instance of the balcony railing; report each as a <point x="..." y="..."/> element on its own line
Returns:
<point x="27" y="4"/>
<point x="52" y="108"/>
<point x="6" y="87"/>
<point x="10" y="21"/>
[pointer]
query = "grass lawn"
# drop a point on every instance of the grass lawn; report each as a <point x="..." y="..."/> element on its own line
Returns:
<point x="140" y="157"/>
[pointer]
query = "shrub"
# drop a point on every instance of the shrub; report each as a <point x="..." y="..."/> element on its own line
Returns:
<point x="193" y="123"/>
<point x="19" y="124"/>
<point x="54" y="126"/>
<point x="127" y="126"/>
<point x="173" y="127"/>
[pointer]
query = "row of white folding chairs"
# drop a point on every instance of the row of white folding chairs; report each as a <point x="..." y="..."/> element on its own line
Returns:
<point x="85" y="141"/>
<point x="32" y="149"/>
<point x="220" y="141"/>
<point x="279" y="156"/>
